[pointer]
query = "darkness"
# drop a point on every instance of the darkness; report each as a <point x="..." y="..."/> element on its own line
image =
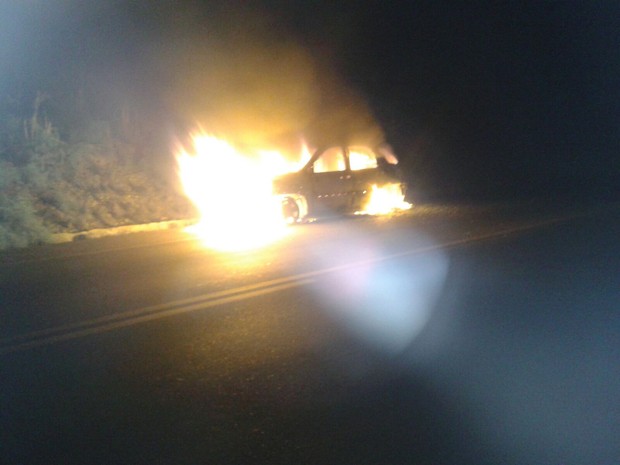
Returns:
<point x="480" y="100"/>
<point x="500" y="98"/>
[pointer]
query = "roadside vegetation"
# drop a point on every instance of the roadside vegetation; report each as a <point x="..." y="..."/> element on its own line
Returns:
<point x="91" y="173"/>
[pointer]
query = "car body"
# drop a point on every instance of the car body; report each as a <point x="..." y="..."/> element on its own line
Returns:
<point x="337" y="180"/>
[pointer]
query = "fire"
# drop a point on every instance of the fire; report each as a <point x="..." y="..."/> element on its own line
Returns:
<point x="360" y="160"/>
<point x="385" y="200"/>
<point x="233" y="193"/>
<point x="382" y="200"/>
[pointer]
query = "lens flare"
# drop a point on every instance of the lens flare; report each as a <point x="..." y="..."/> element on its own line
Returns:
<point x="384" y="303"/>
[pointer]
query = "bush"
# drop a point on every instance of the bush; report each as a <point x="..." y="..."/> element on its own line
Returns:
<point x="19" y="224"/>
<point x="95" y="181"/>
<point x="9" y="175"/>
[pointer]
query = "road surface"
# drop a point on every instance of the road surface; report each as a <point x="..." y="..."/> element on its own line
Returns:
<point x="445" y="335"/>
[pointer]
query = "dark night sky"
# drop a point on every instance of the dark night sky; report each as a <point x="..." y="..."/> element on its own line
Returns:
<point x="478" y="98"/>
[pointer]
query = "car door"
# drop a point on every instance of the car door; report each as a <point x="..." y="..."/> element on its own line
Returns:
<point x="364" y="172"/>
<point x="332" y="185"/>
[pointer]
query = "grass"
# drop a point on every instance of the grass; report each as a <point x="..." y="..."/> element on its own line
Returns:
<point x="48" y="186"/>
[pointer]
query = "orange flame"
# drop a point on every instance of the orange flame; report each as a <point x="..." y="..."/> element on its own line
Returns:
<point x="385" y="200"/>
<point x="233" y="193"/>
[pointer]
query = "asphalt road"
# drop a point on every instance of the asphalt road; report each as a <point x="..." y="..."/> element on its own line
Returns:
<point x="446" y="335"/>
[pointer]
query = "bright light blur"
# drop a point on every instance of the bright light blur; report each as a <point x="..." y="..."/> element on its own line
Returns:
<point x="385" y="199"/>
<point x="386" y="304"/>
<point x="233" y="193"/>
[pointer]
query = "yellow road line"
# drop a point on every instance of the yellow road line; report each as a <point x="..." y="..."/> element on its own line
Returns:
<point x="101" y="325"/>
<point x="213" y="299"/>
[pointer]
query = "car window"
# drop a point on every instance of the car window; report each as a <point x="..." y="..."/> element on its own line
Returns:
<point x="361" y="158"/>
<point x="331" y="160"/>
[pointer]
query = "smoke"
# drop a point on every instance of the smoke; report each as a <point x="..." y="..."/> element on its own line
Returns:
<point x="238" y="71"/>
<point x="242" y="75"/>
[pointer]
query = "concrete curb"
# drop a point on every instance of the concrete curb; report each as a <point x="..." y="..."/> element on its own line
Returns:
<point x="59" y="238"/>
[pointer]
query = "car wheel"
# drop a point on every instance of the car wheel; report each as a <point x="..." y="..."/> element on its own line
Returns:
<point x="290" y="210"/>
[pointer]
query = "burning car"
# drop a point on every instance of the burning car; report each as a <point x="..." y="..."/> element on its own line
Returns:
<point x="341" y="180"/>
<point x="232" y="188"/>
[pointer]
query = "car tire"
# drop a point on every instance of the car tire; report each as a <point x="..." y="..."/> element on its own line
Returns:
<point x="290" y="210"/>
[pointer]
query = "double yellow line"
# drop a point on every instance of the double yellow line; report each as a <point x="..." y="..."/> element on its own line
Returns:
<point x="145" y="314"/>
